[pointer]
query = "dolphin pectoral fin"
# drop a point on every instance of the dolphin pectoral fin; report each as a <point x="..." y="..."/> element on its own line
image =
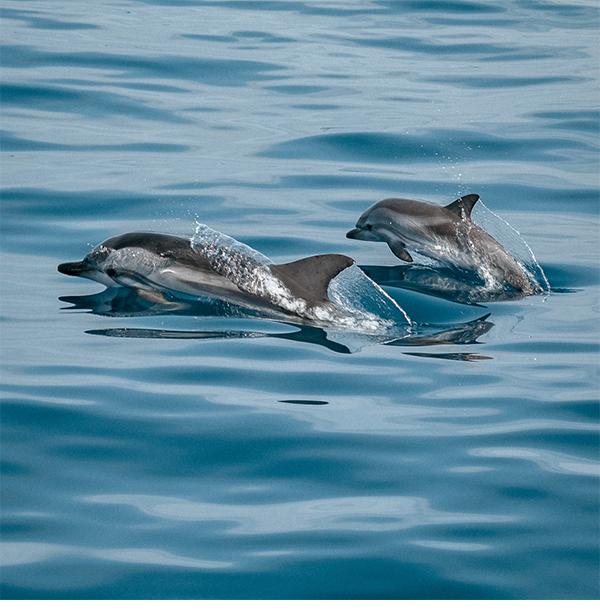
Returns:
<point x="309" y="278"/>
<point x="399" y="249"/>
<point x="464" y="204"/>
<point x="152" y="296"/>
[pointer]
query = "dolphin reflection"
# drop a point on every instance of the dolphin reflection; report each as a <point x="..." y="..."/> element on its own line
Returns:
<point x="443" y="283"/>
<point x="124" y="302"/>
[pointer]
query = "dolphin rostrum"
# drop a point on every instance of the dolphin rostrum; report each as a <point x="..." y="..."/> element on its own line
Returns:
<point x="446" y="234"/>
<point x="152" y="263"/>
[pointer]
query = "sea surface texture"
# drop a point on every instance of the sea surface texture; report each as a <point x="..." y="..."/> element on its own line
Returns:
<point x="191" y="450"/>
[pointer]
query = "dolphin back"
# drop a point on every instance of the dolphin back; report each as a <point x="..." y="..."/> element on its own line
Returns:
<point x="166" y="246"/>
<point x="309" y="278"/>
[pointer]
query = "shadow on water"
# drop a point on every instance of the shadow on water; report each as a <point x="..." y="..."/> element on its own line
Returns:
<point x="124" y="302"/>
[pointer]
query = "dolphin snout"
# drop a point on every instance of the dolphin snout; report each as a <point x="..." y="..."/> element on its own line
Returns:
<point x="363" y="234"/>
<point x="72" y="268"/>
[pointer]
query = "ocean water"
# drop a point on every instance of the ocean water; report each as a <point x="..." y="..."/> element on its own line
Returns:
<point x="197" y="454"/>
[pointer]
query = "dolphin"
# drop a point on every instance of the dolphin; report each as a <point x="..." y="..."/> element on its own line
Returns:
<point x="446" y="234"/>
<point x="152" y="263"/>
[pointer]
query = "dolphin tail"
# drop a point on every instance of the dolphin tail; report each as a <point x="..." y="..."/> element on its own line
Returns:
<point x="463" y="205"/>
<point x="309" y="278"/>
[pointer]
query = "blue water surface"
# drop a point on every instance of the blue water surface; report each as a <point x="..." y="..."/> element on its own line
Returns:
<point x="194" y="455"/>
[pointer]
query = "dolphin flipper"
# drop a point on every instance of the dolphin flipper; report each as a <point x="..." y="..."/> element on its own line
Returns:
<point x="309" y="278"/>
<point x="398" y="248"/>
<point x="464" y="204"/>
<point x="152" y="296"/>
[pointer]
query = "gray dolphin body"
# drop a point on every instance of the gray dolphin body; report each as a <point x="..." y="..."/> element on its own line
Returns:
<point x="151" y="263"/>
<point x="446" y="234"/>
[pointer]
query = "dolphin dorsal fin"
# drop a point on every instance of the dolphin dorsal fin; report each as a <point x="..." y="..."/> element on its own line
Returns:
<point x="309" y="278"/>
<point x="463" y="204"/>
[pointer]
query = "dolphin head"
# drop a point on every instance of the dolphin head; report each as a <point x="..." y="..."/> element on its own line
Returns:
<point x="404" y="223"/>
<point x="94" y="266"/>
<point x="363" y="234"/>
<point x="392" y="220"/>
<point x="389" y="215"/>
<point x="372" y="225"/>
<point x="114" y="261"/>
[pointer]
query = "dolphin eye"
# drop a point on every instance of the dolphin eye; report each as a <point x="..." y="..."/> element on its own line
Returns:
<point x="369" y="226"/>
<point x="110" y="272"/>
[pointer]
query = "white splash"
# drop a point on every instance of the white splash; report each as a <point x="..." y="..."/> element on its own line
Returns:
<point x="357" y="303"/>
<point x="513" y="243"/>
<point x="355" y="293"/>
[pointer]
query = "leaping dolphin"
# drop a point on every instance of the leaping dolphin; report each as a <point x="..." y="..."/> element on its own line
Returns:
<point x="152" y="263"/>
<point x="446" y="234"/>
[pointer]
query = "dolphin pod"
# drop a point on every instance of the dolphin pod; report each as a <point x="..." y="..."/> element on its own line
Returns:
<point x="209" y="264"/>
<point x="446" y="234"/>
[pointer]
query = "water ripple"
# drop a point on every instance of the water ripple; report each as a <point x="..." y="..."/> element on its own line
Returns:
<point x="24" y="553"/>
<point x="336" y="514"/>
<point x="546" y="460"/>
<point x="90" y="103"/>
<point x="34" y="20"/>
<point x="427" y="147"/>
<point x="10" y="142"/>
<point x="203" y="70"/>
<point x="507" y="82"/>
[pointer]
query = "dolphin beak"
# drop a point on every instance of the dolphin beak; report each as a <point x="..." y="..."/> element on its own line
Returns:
<point x="362" y="234"/>
<point x="73" y="268"/>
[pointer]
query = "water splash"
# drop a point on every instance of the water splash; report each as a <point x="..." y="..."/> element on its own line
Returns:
<point x="495" y="269"/>
<point x="357" y="303"/>
<point x="228" y="256"/>
<point x="513" y="243"/>
<point x="354" y="292"/>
